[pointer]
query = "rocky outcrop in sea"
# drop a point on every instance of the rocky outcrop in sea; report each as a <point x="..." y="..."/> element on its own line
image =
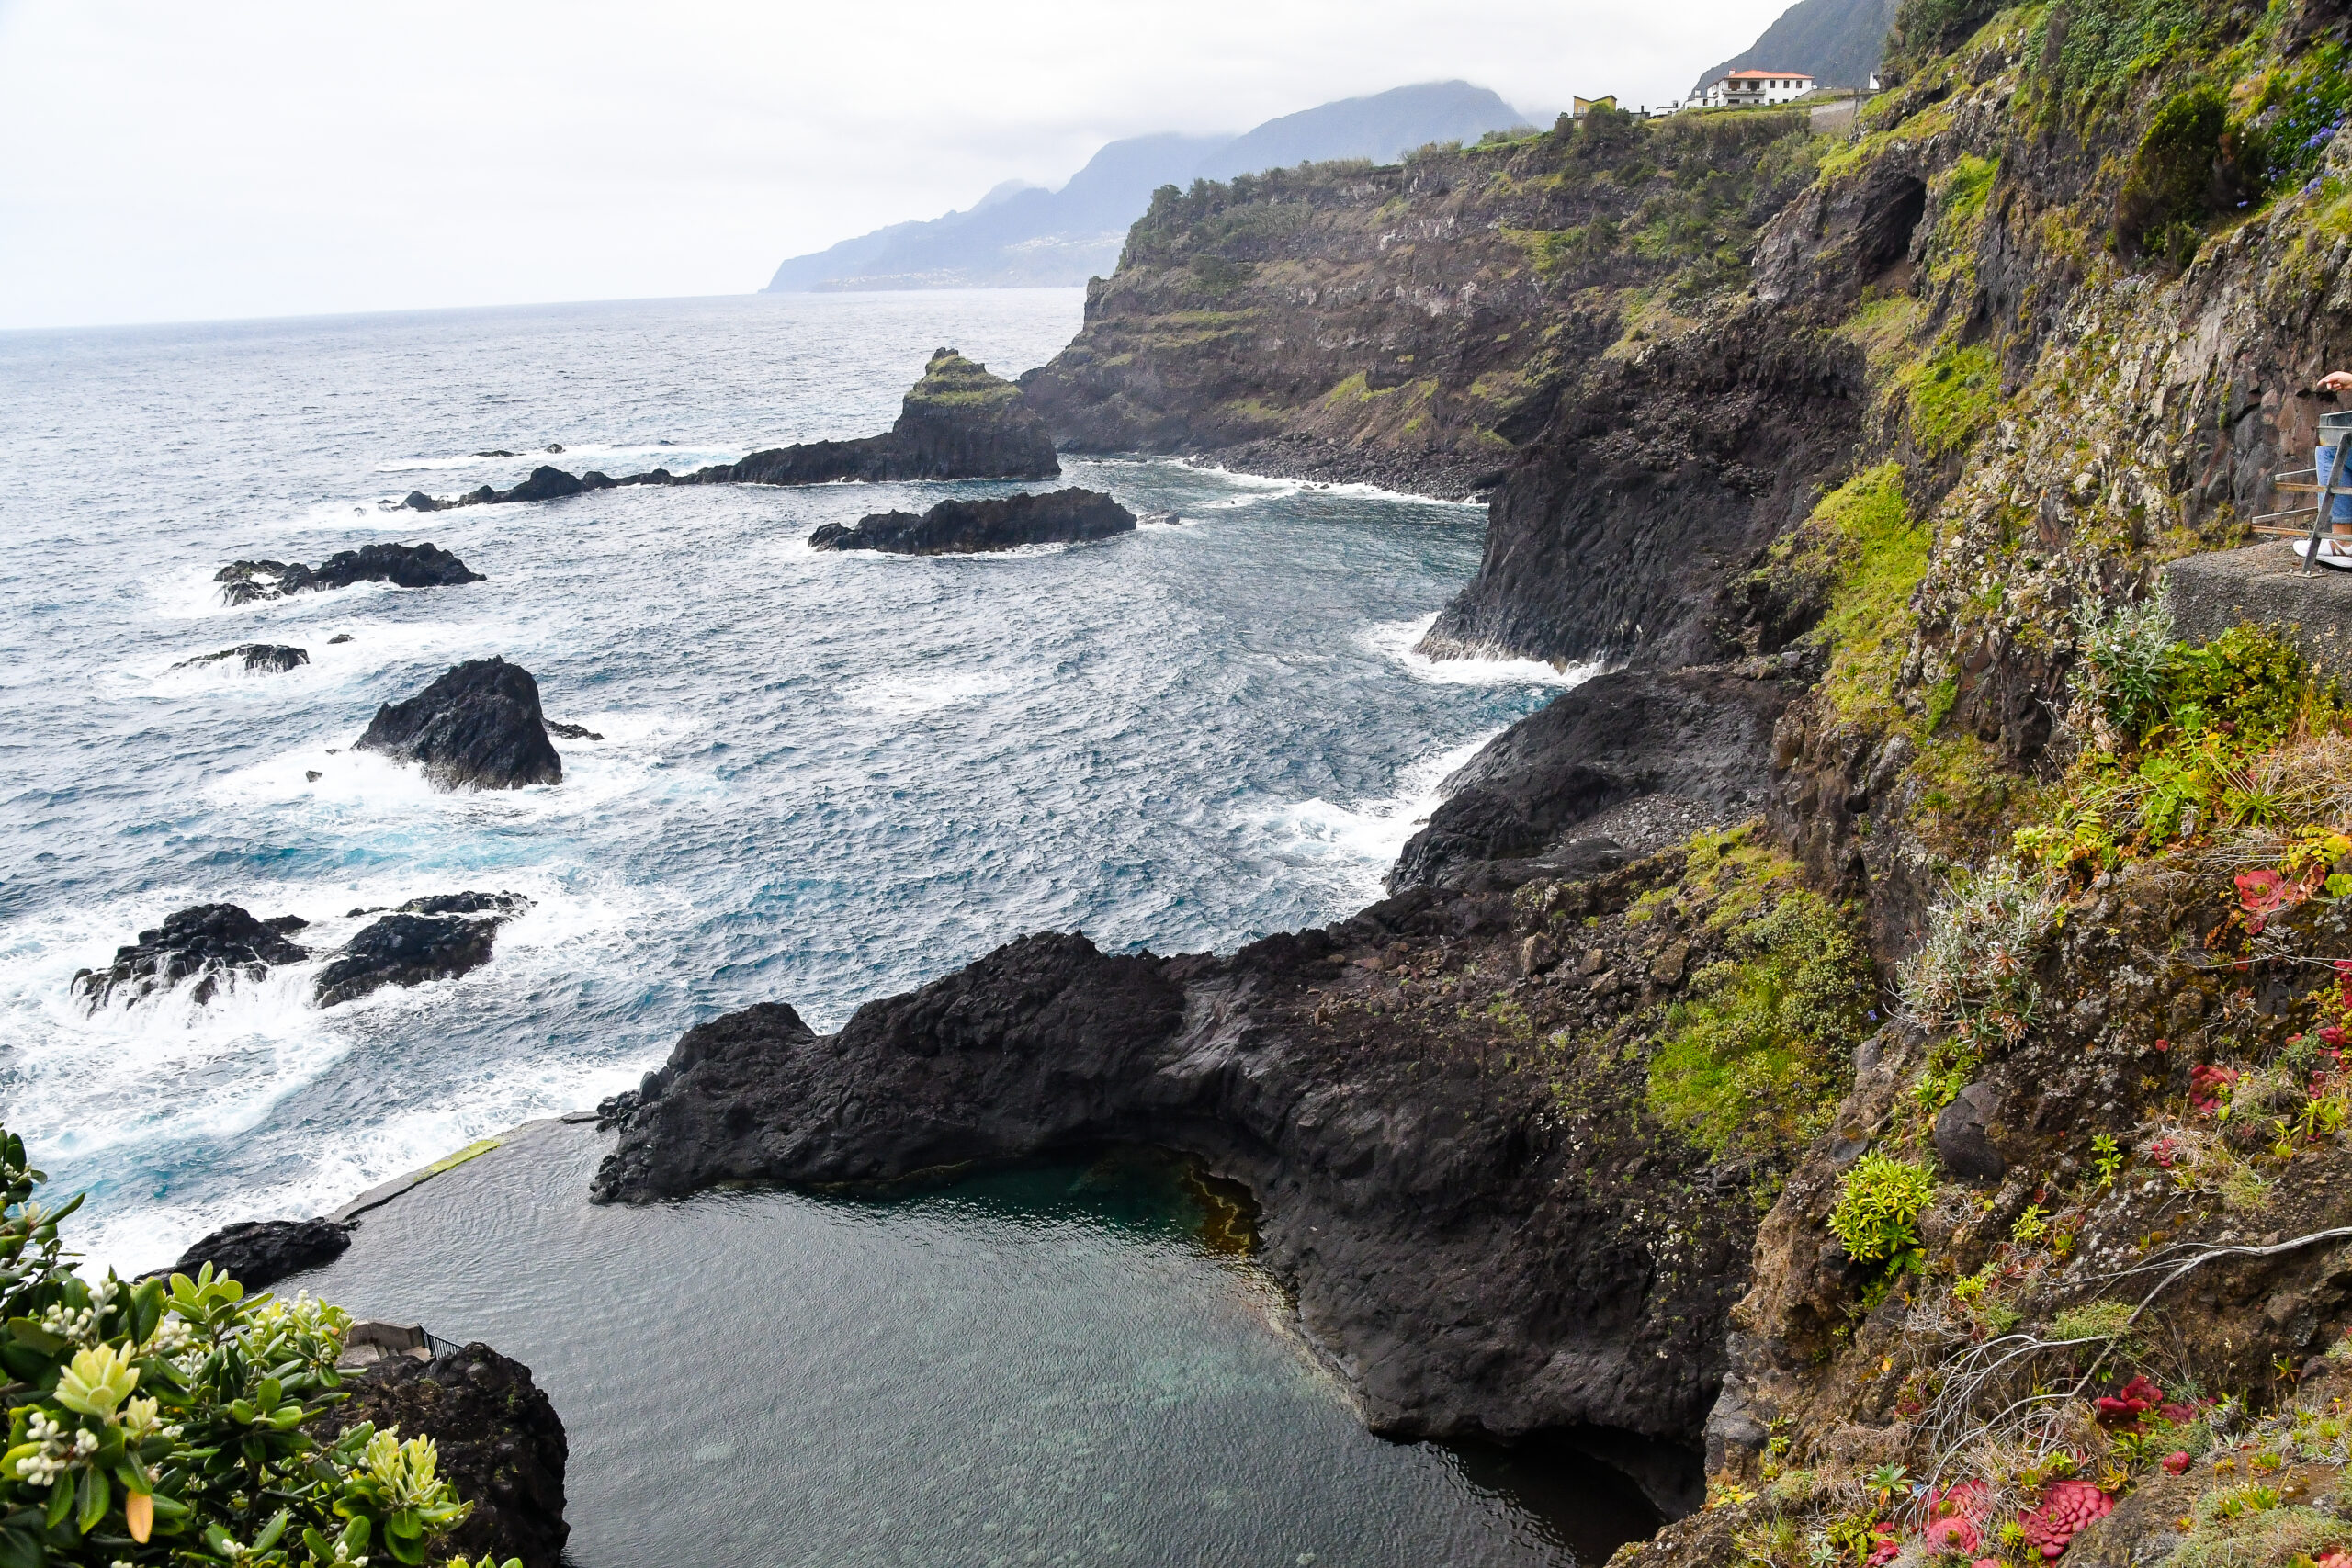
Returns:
<point x="403" y="565"/>
<point x="956" y="423"/>
<point x="218" y="944"/>
<point x="262" y="658"/>
<point x="435" y="938"/>
<point x="970" y="528"/>
<point x="259" y="1252"/>
<point x="479" y="726"/>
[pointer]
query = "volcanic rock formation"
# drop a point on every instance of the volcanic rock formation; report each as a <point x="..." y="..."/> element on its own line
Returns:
<point x="403" y="565"/>
<point x="479" y="726"/>
<point x="267" y="657"/>
<point x="435" y="938"/>
<point x="969" y="527"/>
<point x="259" y="1252"/>
<point x="220" y="943"/>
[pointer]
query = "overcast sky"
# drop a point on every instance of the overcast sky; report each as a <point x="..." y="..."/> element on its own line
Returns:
<point x="171" y="161"/>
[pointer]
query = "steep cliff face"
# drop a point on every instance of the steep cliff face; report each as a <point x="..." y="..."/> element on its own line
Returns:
<point x="1410" y="324"/>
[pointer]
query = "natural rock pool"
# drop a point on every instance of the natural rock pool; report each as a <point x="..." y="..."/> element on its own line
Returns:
<point x="1052" y="1365"/>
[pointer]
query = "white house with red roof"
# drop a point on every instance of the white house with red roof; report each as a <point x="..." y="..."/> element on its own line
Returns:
<point x="1750" y="89"/>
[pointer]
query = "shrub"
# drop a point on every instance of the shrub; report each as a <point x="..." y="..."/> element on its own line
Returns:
<point x="1878" y="1210"/>
<point x="153" y="1424"/>
<point x="2171" y="177"/>
<point x="1974" y="971"/>
<point x="1752" y="1062"/>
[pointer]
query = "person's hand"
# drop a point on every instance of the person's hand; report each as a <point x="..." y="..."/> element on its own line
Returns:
<point x="2336" y="381"/>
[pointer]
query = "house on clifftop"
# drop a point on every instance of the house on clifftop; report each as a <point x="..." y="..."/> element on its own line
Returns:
<point x="1753" y="89"/>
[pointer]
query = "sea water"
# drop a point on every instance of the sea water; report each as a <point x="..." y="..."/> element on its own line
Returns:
<point x="824" y="778"/>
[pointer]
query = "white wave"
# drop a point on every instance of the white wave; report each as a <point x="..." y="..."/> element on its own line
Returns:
<point x="373" y="794"/>
<point x="1399" y="640"/>
<point x="899" y="697"/>
<point x="1356" y="844"/>
<point x="1270" y="488"/>
<point x="166" y="1069"/>
<point x="193" y="594"/>
<point x="370" y="646"/>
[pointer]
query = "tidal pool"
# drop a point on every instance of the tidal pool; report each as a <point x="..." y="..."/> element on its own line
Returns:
<point x="1060" y="1364"/>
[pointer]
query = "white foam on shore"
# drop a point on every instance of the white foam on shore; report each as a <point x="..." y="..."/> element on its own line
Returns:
<point x="1400" y="640"/>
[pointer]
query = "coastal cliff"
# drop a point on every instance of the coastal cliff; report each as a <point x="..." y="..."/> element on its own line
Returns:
<point x="1410" y="324"/>
<point x="1885" y="1033"/>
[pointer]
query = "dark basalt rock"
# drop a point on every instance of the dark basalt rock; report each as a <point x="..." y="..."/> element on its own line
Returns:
<point x="1962" y="1140"/>
<point x="500" y="1444"/>
<point x="435" y="938"/>
<point x="268" y="658"/>
<point x="219" y="943"/>
<point x="956" y="423"/>
<point x="259" y="1252"/>
<point x="403" y="565"/>
<point x="505" y="906"/>
<point x="479" y="726"/>
<point x="406" y="950"/>
<point x="1702" y="735"/>
<point x="968" y="527"/>
<point x="572" y="731"/>
<point x="1449" y="1251"/>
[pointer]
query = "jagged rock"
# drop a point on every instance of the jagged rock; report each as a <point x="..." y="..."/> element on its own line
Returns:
<point x="218" y="943"/>
<point x="435" y="938"/>
<point x="268" y="658"/>
<point x="259" y="1252"/>
<point x="403" y="565"/>
<point x="479" y="726"/>
<point x="500" y="1444"/>
<point x="404" y="950"/>
<point x="495" y="452"/>
<point x="968" y="527"/>
<point x="572" y="731"/>
<point x="1961" y="1137"/>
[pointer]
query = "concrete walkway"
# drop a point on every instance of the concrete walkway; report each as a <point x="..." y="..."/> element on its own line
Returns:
<point x="2260" y="585"/>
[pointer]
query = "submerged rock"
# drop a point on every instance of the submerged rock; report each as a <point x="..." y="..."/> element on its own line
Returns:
<point x="500" y="1441"/>
<point x="573" y="731"/>
<point x="259" y="1252"/>
<point x="403" y="565"/>
<point x="435" y="938"/>
<point x="956" y="423"/>
<point x="479" y="726"/>
<point x="268" y="658"/>
<point x="968" y="527"/>
<point x="219" y="943"/>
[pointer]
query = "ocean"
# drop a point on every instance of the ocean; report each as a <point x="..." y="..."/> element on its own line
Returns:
<point x="823" y="778"/>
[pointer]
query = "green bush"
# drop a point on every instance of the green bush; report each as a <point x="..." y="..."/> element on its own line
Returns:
<point x="154" y="1424"/>
<point x="1753" y="1060"/>
<point x="1878" y="1210"/>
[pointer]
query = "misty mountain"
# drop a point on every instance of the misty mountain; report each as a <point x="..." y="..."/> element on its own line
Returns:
<point x="1837" y="41"/>
<point x="1023" y="234"/>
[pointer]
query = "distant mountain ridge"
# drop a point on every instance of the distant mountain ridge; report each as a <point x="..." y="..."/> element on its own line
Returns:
<point x="1835" y="40"/>
<point x="1026" y="235"/>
